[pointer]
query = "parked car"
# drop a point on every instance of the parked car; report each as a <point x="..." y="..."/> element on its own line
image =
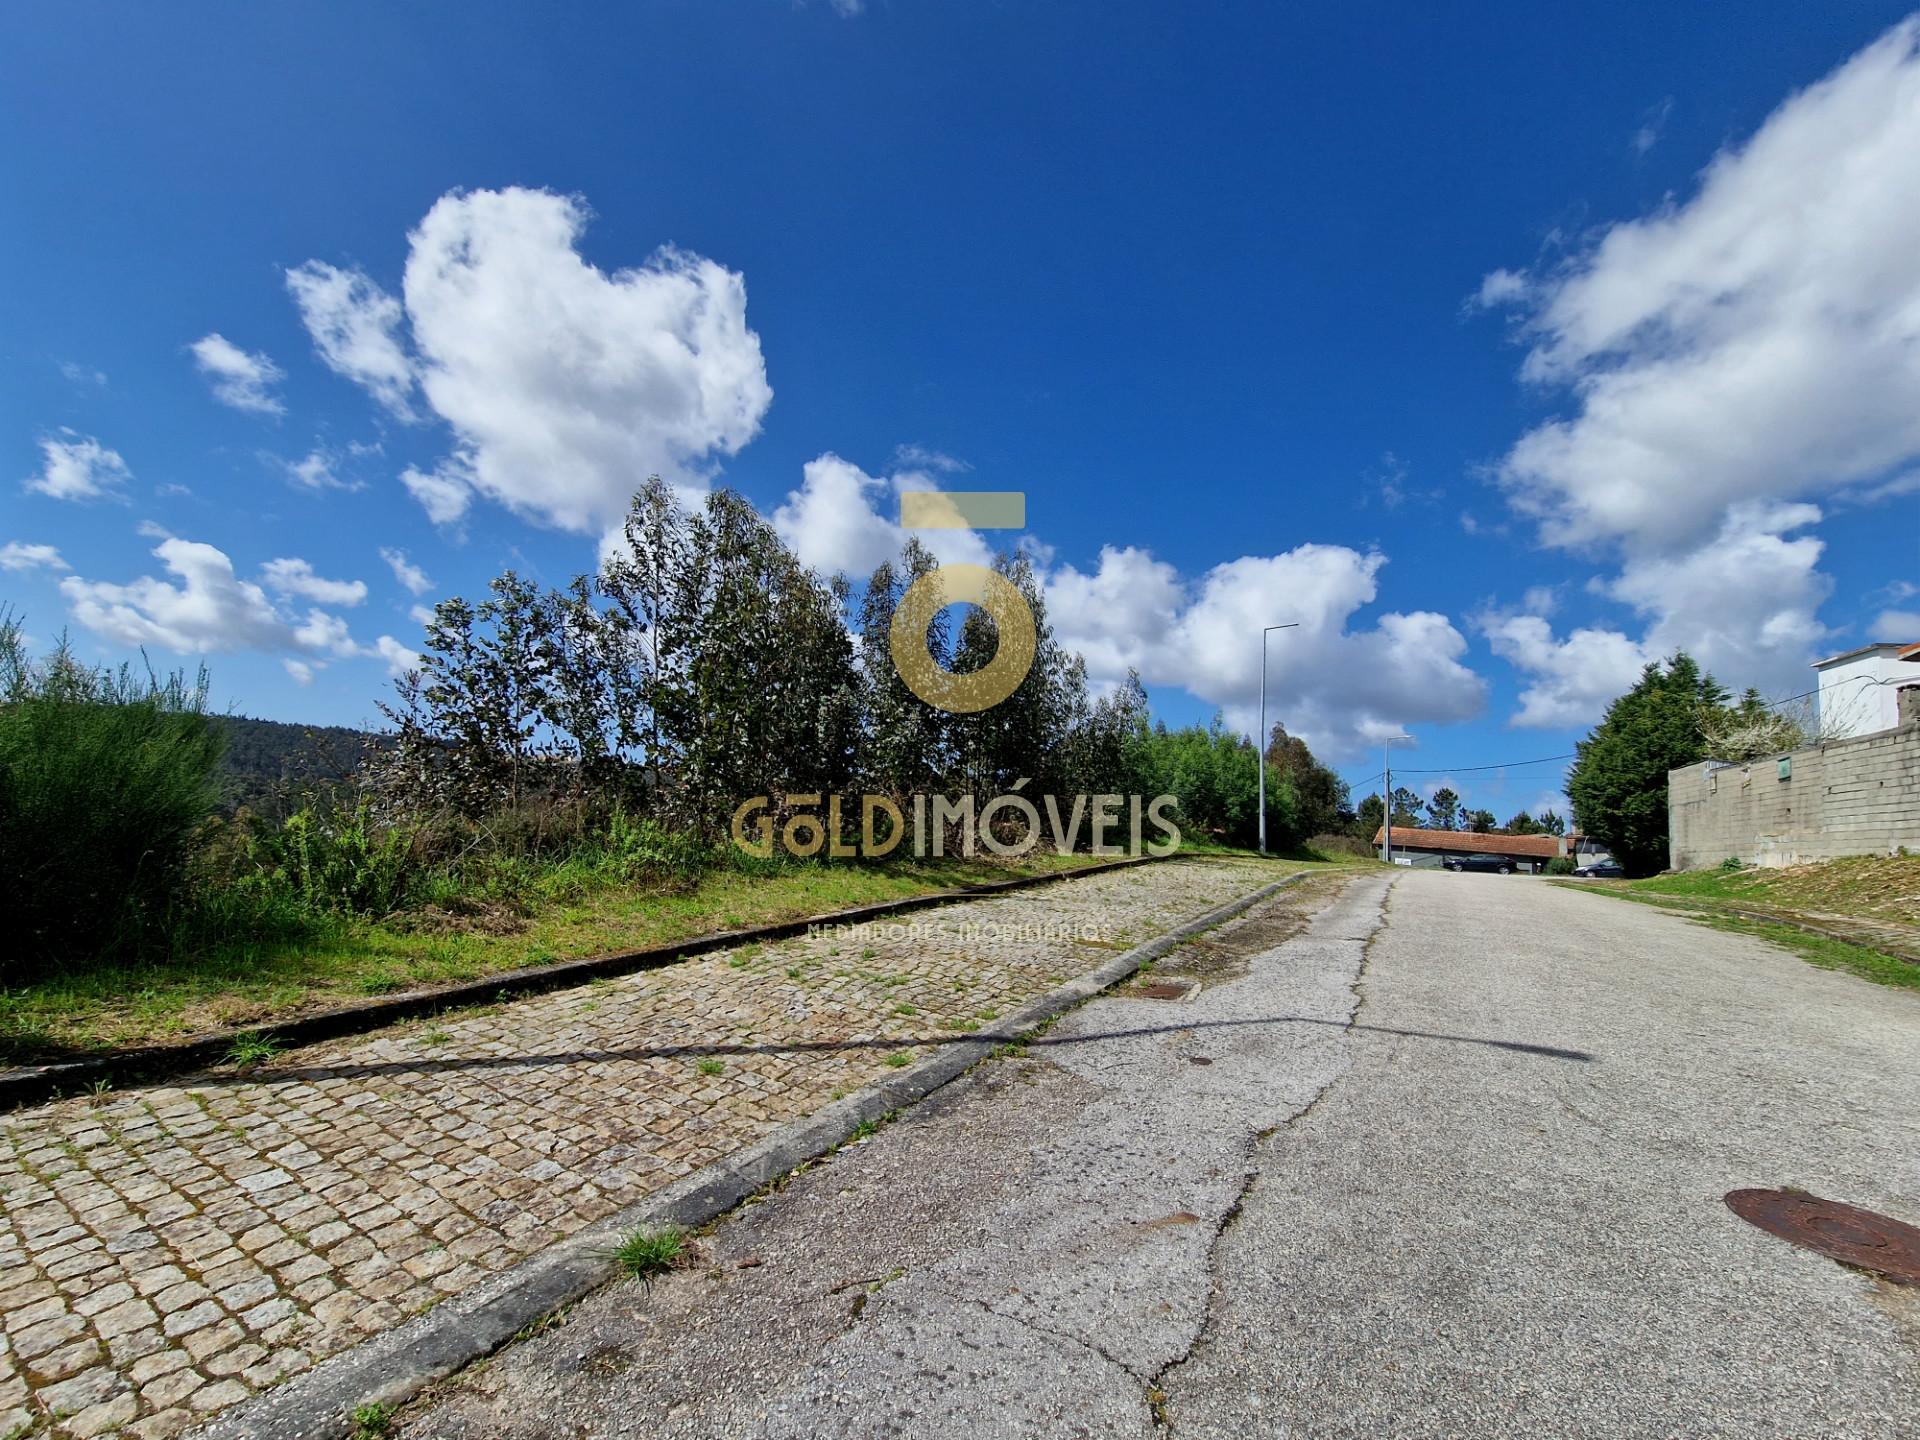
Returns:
<point x="1493" y="864"/>
<point x="1601" y="870"/>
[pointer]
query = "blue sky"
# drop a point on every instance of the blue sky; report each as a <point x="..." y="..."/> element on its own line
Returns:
<point x="1504" y="352"/>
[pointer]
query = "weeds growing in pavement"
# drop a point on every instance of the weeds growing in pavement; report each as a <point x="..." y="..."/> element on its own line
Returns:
<point x="649" y="1250"/>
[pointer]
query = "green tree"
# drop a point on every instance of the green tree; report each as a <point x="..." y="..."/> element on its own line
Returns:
<point x="1443" y="810"/>
<point x="1551" y="823"/>
<point x="1618" y="784"/>
<point x="1322" y="794"/>
<point x="1406" y="808"/>
<point x="1481" y="822"/>
<point x="1523" y="824"/>
<point x="1369" y="817"/>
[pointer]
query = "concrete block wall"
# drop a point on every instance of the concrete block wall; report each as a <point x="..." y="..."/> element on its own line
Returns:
<point x="1849" y="797"/>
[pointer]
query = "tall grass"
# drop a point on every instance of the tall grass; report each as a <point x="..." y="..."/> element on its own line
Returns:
<point x="105" y="778"/>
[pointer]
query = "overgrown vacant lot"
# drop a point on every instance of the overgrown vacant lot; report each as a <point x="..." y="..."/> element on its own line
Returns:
<point x="239" y="982"/>
<point x="1878" y="887"/>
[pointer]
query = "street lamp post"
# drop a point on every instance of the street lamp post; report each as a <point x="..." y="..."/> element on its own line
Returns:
<point x="1260" y="749"/>
<point x="1386" y="811"/>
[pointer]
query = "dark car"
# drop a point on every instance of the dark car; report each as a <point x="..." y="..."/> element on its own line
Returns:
<point x="1601" y="870"/>
<point x="1493" y="864"/>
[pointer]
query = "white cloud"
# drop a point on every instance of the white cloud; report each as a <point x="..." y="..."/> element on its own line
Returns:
<point x="1744" y="605"/>
<point x="1897" y="625"/>
<point x="78" y="467"/>
<point x="355" y="327"/>
<point x="240" y="379"/>
<point x="843" y="519"/>
<point x="1572" y="679"/>
<point x="405" y="571"/>
<point x="210" y="609"/>
<point x="1335" y="684"/>
<point x="319" y="471"/>
<point x="565" y="385"/>
<point x="80" y="374"/>
<point x="206" y="608"/>
<point x="1503" y="287"/>
<point x="442" y="493"/>
<point x="1652" y="126"/>
<point x="296" y="577"/>
<point x="1733" y="355"/>
<point x="17" y="555"/>
<point x="400" y="659"/>
<point x="1759" y="341"/>
<point x="420" y="614"/>
<point x="927" y="461"/>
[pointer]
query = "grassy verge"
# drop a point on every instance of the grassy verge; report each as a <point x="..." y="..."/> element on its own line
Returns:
<point x="1875" y="887"/>
<point x="240" y="982"/>
<point x="1828" y="954"/>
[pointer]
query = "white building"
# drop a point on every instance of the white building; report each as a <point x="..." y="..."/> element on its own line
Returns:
<point x="1857" y="689"/>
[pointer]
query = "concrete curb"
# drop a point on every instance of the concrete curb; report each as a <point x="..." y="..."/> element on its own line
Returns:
<point x="30" y="1084"/>
<point x="392" y="1368"/>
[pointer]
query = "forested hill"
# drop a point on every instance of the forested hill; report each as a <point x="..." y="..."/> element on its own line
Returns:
<point x="269" y="764"/>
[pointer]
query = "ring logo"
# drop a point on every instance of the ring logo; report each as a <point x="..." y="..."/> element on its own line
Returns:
<point x="986" y="687"/>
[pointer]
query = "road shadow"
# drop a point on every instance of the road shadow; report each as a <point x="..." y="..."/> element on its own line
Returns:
<point x="455" y="1064"/>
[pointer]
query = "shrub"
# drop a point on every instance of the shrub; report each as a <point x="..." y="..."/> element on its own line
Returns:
<point x="340" y="861"/>
<point x="1560" y="865"/>
<point x="105" y="778"/>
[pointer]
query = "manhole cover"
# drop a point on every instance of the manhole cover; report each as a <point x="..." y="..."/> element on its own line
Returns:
<point x="1841" y="1232"/>
<point x="1164" y="990"/>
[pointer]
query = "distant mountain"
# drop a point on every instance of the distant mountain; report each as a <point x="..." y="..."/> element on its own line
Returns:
<point x="271" y="766"/>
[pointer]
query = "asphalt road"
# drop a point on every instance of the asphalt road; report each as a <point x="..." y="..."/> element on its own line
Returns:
<point x="1441" y="1156"/>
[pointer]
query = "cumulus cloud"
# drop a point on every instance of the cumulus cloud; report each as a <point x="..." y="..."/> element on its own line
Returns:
<point x="206" y="608"/>
<point x="209" y="608"/>
<point x="355" y="328"/>
<point x="843" y="519"/>
<point x="17" y="555"/>
<point x="296" y="577"/>
<point x="318" y="472"/>
<point x="1744" y="605"/>
<point x="405" y="571"/>
<point x="1338" y="683"/>
<point x="78" y="467"/>
<point x="1759" y="341"/>
<point x="565" y="386"/>
<point x="443" y="493"/>
<point x="1897" y="625"/>
<point x="241" y="379"/>
<point x="1732" y="356"/>
<point x="400" y="659"/>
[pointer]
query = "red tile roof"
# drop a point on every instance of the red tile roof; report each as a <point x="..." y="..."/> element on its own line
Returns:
<point x="1535" y="847"/>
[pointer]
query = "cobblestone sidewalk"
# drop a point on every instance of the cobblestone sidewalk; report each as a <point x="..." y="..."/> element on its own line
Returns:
<point x="166" y="1252"/>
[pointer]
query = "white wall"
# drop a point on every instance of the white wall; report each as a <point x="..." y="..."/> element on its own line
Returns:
<point x="1857" y="696"/>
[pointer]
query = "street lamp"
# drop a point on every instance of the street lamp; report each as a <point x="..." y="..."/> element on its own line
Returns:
<point x="1260" y="749"/>
<point x="1386" y="812"/>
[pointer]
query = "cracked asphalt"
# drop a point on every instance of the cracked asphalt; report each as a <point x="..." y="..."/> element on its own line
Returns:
<point x="1418" y="1155"/>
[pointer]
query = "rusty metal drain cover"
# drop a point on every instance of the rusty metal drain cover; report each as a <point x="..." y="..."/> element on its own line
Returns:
<point x="1841" y="1232"/>
<point x="1164" y="990"/>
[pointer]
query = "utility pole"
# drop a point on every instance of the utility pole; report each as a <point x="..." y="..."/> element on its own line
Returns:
<point x="1260" y="749"/>
<point x="1386" y="812"/>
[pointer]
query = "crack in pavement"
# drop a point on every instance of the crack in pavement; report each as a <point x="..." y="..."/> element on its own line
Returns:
<point x="1155" y="1396"/>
